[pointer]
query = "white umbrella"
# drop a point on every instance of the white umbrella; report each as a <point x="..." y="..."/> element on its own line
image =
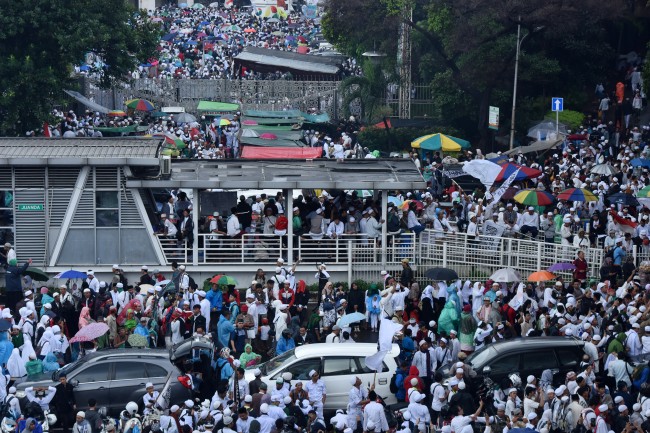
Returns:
<point x="505" y="275"/>
<point x="184" y="118"/>
<point x="604" y="169"/>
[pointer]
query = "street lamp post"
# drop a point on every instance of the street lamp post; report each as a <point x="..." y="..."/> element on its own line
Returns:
<point x="514" y="91"/>
<point x="520" y="40"/>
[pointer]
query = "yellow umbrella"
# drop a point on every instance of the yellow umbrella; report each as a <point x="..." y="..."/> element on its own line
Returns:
<point x="438" y="141"/>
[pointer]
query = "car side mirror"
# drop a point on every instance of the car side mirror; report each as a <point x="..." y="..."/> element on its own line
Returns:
<point x="487" y="370"/>
<point x="74" y="383"/>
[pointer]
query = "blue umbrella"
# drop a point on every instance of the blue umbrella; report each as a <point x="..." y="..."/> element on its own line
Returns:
<point x="190" y="42"/>
<point x="84" y="68"/>
<point x="638" y="162"/>
<point x="394" y="200"/>
<point x="168" y="37"/>
<point x="348" y="319"/>
<point x="623" y="199"/>
<point x="71" y="274"/>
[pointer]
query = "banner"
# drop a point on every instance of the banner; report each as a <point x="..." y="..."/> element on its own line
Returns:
<point x="495" y="231"/>
<point x="496" y="196"/>
<point x="453" y="173"/>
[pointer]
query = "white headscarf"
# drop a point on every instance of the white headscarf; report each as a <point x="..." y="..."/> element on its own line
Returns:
<point x="15" y="365"/>
<point x="27" y="350"/>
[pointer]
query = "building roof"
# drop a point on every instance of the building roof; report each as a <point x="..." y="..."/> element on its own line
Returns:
<point x="135" y="151"/>
<point x="380" y="174"/>
<point x="289" y="60"/>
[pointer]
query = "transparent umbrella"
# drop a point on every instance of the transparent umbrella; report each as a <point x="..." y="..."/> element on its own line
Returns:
<point x="544" y="129"/>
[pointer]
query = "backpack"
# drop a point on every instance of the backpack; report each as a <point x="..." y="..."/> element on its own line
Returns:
<point x="393" y="383"/>
<point x="192" y="283"/>
<point x="5" y="407"/>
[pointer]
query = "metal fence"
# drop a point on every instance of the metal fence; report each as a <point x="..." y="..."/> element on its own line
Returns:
<point x="251" y="94"/>
<point x="478" y="259"/>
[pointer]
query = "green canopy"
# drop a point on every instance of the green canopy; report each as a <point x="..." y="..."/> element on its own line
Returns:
<point x="213" y="108"/>
<point x="269" y="121"/>
<point x="122" y="130"/>
<point x="254" y="141"/>
<point x="273" y="114"/>
<point x="316" y="118"/>
<point x="268" y="128"/>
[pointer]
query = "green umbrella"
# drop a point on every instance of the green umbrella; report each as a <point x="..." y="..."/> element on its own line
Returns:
<point x="137" y="340"/>
<point x="37" y="274"/>
<point x="227" y="281"/>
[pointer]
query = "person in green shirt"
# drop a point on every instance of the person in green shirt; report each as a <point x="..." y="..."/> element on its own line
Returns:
<point x="296" y="221"/>
<point x="34" y="365"/>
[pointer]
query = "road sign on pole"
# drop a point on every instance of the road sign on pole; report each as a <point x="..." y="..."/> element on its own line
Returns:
<point x="557" y="105"/>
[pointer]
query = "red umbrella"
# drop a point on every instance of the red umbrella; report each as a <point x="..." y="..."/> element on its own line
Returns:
<point x="216" y="278"/>
<point x="90" y="332"/>
<point x="302" y="49"/>
<point x="269" y="136"/>
<point x="524" y="172"/>
<point x="302" y="39"/>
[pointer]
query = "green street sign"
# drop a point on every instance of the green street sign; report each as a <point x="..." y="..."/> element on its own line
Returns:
<point x="30" y="207"/>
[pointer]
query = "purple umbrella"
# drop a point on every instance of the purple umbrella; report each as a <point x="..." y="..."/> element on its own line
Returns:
<point x="558" y="267"/>
<point x="90" y="332"/>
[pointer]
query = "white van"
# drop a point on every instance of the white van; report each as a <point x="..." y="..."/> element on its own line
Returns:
<point x="336" y="364"/>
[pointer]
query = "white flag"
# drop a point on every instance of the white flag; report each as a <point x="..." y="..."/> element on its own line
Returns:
<point x="496" y="196"/>
<point x="387" y="331"/>
<point x="484" y="170"/>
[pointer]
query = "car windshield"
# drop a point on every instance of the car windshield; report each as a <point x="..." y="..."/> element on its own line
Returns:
<point x="67" y="368"/>
<point x="477" y="359"/>
<point x="276" y="362"/>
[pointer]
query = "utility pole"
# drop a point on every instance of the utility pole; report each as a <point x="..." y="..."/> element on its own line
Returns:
<point x="404" y="64"/>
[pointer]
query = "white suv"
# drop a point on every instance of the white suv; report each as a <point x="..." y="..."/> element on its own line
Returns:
<point x="336" y="363"/>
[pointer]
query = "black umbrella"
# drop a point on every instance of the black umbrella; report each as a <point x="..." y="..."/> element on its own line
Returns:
<point x="441" y="274"/>
<point x="624" y="199"/>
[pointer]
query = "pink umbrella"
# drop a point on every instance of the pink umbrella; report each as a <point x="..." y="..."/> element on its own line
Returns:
<point x="201" y="35"/>
<point x="302" y="49"/>
<point x="90" y="332"/>
<point x="269" y="136"/>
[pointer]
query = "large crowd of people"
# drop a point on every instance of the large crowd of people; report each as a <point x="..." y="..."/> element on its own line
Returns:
<point x="201" y="43"/>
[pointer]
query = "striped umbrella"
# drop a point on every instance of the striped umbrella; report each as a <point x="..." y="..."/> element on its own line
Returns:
<point x="116" y="113"/>
<point x="524" y="172"/>
<point x="139" y="105"/>
<point x="439" y="141"/>
<point x="577" y="194"/>
<point x="533" y="197"/>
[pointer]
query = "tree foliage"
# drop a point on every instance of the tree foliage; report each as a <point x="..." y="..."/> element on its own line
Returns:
<point x="41" y="41"/>
<point x="466" y="49"/>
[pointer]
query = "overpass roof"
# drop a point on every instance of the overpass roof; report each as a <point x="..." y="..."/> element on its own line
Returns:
<point x="134" y="151"/>
<point x="379" y="174"/>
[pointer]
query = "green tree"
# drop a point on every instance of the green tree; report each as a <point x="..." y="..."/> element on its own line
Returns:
<point x="467" y="48"/>
<point x="368" y="89"/>
<point x="42" y="40"/>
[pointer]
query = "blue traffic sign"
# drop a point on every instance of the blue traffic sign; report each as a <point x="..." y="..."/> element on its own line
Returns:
<point x="557" y="104"/>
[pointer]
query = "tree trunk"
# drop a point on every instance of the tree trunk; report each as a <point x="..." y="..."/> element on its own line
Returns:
<point x="482" y="125"/>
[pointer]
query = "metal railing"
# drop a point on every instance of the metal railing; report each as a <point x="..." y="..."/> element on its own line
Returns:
<point x="265" y="249"/>
<point x="478" y="259"/>
<point x="474" y="259"/>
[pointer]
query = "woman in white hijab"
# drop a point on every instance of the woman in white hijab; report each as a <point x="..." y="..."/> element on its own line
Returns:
<point x="26" y="350"/>
<point x="45" y="343"/>
<point x="15" y="365"/>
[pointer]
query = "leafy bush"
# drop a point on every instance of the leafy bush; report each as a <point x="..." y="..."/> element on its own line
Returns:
<point x="572" y="119"/>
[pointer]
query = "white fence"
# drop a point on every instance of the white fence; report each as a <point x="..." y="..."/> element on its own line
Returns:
<point x="471" y="259"/>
